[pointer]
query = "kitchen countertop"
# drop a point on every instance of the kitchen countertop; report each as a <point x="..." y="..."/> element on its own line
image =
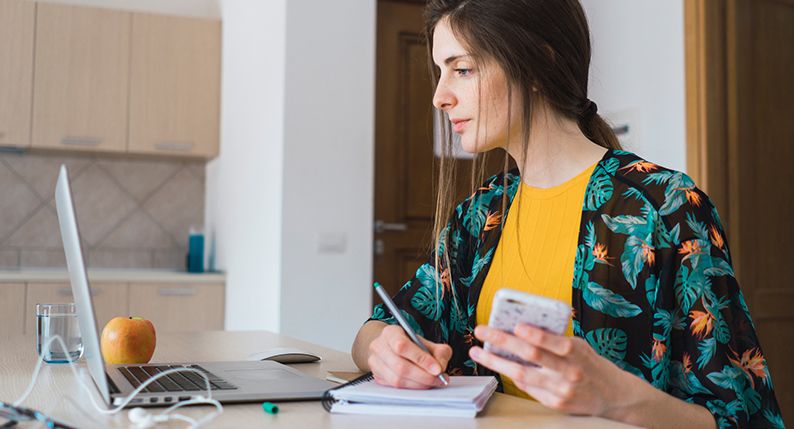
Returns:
<point x="111" y="275"/>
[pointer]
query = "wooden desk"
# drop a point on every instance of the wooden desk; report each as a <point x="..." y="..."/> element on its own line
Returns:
<point x="60" y="396"/>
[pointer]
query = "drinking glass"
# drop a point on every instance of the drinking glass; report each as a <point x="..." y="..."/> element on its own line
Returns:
<point x="61" y="320"/>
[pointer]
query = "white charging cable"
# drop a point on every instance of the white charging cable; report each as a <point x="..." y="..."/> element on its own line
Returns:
<point x="139" y="417"/>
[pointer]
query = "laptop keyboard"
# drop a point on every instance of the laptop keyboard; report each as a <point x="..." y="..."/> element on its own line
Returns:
<point x="174" y="382"/>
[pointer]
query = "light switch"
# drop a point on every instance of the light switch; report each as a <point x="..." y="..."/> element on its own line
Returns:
<point x="332" y="242"/>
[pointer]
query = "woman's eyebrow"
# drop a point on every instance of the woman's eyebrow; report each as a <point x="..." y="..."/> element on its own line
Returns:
<point x="454" y="58"/>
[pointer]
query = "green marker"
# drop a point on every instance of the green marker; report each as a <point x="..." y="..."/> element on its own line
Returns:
<point x="270" y="407"/>
<point x="404" y="324"/>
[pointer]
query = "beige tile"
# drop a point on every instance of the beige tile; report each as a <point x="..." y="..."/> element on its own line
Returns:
<point x="100" y="204"/>
<point x="108" y="258"/>
<point x="17" y="201"/>
<point x="170" y="259"/>
<point x="138" y="231"/>
<point x="140" y="177"/>
<point x="9" y="258"/>
<point x="178" y="205"/>
<point x="40" y="230"/>
<point x="198" y="169"/>
<point x="40" y="171"/>
<point x="42" y="259"/>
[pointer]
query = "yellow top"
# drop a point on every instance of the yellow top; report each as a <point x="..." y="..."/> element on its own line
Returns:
<point x="546" y="223"/>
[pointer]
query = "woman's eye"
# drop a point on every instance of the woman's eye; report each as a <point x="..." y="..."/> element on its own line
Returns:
<point x="463" y="72"/>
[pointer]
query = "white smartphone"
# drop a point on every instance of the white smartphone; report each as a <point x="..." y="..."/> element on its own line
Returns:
<point x="511" y="307"/>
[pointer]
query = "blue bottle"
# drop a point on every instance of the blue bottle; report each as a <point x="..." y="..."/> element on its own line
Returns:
<point x="195" y="251"/>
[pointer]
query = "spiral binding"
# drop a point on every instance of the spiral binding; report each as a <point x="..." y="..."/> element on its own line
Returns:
<point x="328" y="400"/>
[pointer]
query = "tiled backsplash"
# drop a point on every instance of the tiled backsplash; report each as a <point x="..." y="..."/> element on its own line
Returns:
<point x="132" y="213"/>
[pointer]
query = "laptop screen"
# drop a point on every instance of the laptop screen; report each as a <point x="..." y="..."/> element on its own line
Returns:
<point x="80" y="290"/>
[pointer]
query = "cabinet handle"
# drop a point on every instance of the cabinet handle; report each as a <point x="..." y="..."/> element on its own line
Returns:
<point x="65" y="291"/>
<point x="177" y="291"/>
<point x="80" y="141"/>
<point x="174" y="146"/>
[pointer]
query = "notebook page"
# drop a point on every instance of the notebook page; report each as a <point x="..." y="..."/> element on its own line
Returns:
<point x="463" y="391"/>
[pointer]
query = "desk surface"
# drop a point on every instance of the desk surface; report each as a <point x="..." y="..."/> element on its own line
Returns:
<point x="59" y="395"/>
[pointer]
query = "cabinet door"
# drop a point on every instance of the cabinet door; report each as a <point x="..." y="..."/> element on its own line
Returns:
<point x="110" y="300"/>
<point x="12" y="308"/>
<point x="197" y="307"/>
<point x="17" y="20"/>
<point x="82" y="77"/>
<point x="174" y="85"/>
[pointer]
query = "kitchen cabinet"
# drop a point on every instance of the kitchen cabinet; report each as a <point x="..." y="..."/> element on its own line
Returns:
<point x="12" y="304"/>
<point x="174" y="85"/>
<point x="17" y="23"/>
<point x="80" y="89"/>
<point x="110" y="300"/>
<point x="179" y="307"/>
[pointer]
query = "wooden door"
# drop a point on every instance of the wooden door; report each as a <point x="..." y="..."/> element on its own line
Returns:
<point x="17" y="20"/>
<point x="741" y="150"/>
<point x="80" y="86"/>
<point x="404" y="154"/>
<point x="175" y="85"/>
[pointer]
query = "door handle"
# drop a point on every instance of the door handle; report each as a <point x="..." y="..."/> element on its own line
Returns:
<point x="381" y="226"/>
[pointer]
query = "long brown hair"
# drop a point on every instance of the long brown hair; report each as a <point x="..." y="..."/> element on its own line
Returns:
<point x="543" y="47"/>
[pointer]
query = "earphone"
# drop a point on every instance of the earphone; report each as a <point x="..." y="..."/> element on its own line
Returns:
<point x="140" y="418"/>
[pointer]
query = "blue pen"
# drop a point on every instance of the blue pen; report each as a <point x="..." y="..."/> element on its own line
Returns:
<point x="406" y="327"/>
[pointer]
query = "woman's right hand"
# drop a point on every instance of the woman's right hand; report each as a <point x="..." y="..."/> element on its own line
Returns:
<point x="396" y="361"/>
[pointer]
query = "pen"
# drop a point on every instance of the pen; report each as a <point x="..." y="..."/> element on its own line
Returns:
<point x="406" y="327"/>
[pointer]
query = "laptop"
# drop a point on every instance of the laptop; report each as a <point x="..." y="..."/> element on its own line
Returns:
<point x="244" y="381"/>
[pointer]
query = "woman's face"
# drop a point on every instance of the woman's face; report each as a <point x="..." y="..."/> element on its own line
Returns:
<point x="474" y="96"/>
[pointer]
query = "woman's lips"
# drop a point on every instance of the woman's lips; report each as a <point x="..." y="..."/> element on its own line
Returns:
<point x="458" y="126"/>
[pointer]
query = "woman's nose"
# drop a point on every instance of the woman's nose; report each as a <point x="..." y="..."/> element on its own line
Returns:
<point x="443" y="99"/>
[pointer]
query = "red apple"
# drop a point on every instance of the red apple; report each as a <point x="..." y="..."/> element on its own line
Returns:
<point x="128" y="340"/>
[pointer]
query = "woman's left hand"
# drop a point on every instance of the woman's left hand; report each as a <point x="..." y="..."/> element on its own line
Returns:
<point x="571" y="376"/>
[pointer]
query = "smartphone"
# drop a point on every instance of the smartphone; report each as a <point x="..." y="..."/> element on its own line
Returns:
<point x="511" y="307"/>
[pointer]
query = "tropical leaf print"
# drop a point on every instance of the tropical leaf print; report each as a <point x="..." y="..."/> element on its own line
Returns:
<point x="608" y="302"/>
<point x="608" y="342"/>
<point x="775" y="419"/>
<point x="626" y="224"/>
<point x="458" y="321"/>
<point x="379" y="313"/>
<point x="685" y="380"/>
<point x="633" y="258"/>
<point x="599" y="190"/>
<point x="425" y="301"/>
<point x="706" y="348"/>
<point x="479" y="263"/>
<point x="651" y="289"/>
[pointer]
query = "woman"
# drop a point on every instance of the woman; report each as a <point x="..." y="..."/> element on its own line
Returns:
<point x="661" y="335"/>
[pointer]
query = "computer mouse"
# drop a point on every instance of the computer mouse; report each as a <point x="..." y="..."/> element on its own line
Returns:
<point x="285" y="355"/>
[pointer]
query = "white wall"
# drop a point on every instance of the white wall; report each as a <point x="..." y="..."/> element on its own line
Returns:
<point x="296" y="167"/>
<point x="328" y="170"/>
<point x="637" y="72"/>
<point x="244" y="184"/>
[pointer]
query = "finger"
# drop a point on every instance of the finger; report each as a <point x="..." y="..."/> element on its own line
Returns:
<point x="534" y="377"/>
<point x="441" y="352"/>
<point x="404" y="347"/>
<point x="557" y="344"/>
<point x="384" y="374"/>
<point x="521" y="348"/>
<point x="409" y="370"/>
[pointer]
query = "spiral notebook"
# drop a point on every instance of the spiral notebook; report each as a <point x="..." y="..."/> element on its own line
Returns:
<point x="464" y="397"/>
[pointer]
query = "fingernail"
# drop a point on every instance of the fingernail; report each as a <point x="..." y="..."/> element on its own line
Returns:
<point x="435" y="369"/>
<point x="475" y="353"/>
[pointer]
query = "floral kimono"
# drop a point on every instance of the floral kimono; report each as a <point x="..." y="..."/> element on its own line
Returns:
<point x="653" y="291"/>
